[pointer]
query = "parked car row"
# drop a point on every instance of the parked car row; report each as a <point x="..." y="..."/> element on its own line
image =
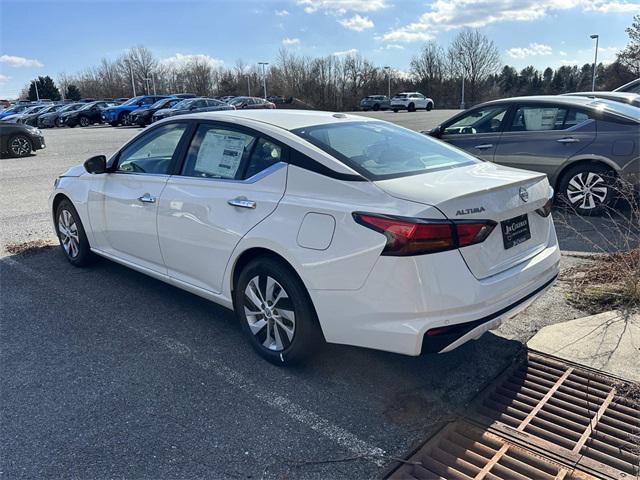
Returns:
<point x="410" y="101"/>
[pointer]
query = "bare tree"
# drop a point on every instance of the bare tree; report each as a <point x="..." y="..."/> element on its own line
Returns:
<point x="472" y="53"/>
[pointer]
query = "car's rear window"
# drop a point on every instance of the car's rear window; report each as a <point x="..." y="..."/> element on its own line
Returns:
<point x="380" y="150"/>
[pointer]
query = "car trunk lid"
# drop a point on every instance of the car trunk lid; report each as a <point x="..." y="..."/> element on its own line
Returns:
<point x="485" y="191"/>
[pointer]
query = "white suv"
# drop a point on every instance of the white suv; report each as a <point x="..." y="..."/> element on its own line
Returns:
<point x="410" y="101"/>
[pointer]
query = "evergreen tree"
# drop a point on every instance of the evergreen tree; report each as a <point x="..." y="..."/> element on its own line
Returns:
<point x="72" y="93"/>
<point x="46" y="89"/>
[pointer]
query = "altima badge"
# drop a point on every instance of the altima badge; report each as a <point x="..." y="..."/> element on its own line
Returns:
<point x="524" y="195"/>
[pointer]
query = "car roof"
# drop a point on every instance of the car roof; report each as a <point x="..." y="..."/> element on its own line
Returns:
<point x="285" y="119"/>
<point x="632" y="83"/>
<point x="627" y="95"/>
<point x="561" y="99"/>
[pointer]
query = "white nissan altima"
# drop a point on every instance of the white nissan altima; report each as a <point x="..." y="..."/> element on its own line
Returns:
<point x="313" y="225"/>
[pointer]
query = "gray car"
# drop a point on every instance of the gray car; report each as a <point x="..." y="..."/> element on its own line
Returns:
<point x="582" y="144"/>
<point x="622" y="97"/>
<point x="375" y="103"/>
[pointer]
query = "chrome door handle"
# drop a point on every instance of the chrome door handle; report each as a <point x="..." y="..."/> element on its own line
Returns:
<point x="484" y="146"/>
<point x="568" y="140"/>
<point x="147" y="198"/>
<point x="242" y="202"/>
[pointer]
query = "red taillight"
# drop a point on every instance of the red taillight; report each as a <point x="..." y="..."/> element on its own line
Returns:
<point x="412" y="236"/>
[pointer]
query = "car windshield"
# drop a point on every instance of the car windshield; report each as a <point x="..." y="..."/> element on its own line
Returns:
<point x="133" y="100"/>
<point x="380" y="150"/>
<point x="68" y="108"/>
<point x="625" y="109"/>
<point x="33" y="109"/>
<point x="237" y="101"/>
<point x="87" y="106"/>
<point x="401" y="95"/>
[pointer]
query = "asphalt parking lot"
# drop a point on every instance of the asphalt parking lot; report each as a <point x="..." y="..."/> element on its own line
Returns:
<point x="107" y="373"/>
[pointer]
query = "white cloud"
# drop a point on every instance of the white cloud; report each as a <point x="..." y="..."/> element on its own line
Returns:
<point x="344" y="53"/>
<point x="534" y="49"/>
<point x="342" y="6"/>
<point x="18" y="62"/>
<point x="562" y="53"/>
<point x="603" y="6"/>
<point x="180" y="59"/>
<point x="288" y="42"/>
<point x="406" y="36"/>
<point x="281" y="13"/>
<point x="356" y="23"/>
<point x="444" y="15"/>
<point x="394" y="46"/>
<point x="4" y="79"/>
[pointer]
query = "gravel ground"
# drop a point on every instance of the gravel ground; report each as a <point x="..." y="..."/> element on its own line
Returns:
<point x="107" y="373"/>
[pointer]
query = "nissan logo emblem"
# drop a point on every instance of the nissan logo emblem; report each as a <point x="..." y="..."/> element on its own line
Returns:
<point x="524" y="195"/>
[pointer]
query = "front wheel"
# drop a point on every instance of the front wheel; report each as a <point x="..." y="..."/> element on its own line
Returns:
<point x="84" y="121"/>
<point x="72" y="236"/>
<point x="395" y="110"/>
<point x="275" y="312"/>
<point x="411" y="107"/>
<point x="589" y="189"/>
<point x="376" y="107"/>
<point x="429" y="107"/>
<point x="20" y="146"/>
<point x="58" y="123"/>
<point x="124" y="119"/>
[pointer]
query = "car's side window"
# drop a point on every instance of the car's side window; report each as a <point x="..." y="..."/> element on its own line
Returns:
<point x="538" y="118"/>
<point x="575" y="117"/>
<point x="265" y="154"/>
<point x="153" y="152"/>
<point x="482" y="120"/>
<point x="217" y="152"/>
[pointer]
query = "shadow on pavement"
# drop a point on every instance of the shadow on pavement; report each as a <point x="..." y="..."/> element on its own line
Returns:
<point x="107" y="372"/>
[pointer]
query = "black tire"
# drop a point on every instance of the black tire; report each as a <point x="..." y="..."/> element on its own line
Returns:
<point x="411" y="107"/>
<point x="84" y="121"/>
<point x="58" y="123"/>
<point x="429" y="106"/>
<point x="81" y="256"/>
<point x="123" y="119"/>
<point x="376" y="107"/>
<point x="395" y="110"/>
<point x="306" y="336"/>
<point x="113" y="124"/>
<point x="19" y="146"/>
<point x="596" y="180"/>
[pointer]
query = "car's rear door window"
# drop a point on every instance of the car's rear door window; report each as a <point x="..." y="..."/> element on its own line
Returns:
<point x="217" y="152"/>
<point x="538" y="118"/>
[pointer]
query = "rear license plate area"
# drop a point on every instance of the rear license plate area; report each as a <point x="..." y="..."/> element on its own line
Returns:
<point x="515" y="231"/>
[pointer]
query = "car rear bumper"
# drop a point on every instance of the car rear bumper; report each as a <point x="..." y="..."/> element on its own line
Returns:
<point x="406" y="297"/>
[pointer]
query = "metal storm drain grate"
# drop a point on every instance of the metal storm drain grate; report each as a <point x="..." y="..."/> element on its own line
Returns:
<point x="544" y="415"/>
<point x="466" y="452"/>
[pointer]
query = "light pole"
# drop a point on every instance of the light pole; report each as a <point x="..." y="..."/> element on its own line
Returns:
<point x="35" y="84"/>
<point x="248" y="85"/>
<point x="595" y="63"/>
<point x="388" y="70"/>
<point x="264" y="77"/>
<point x="146" y="81"/>
<point x="461" y="53"/>
<point x="153" y="80"/>
<point x="133" y="85"/>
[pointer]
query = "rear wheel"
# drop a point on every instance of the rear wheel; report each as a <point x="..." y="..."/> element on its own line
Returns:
<point x="395" y="110"/>
<point x="429" y="106"/>
<point x="72" y="236"/>
<point x="376" y="107"/>
<point x="124" y="119"/>
<point x="275" y="312"/>
<point x="20" y="146"/>
<point x="84" y="121"/>
<point x="588" y="189"/>
<point x="58" y="122"/>
<point x="411" y="107"/>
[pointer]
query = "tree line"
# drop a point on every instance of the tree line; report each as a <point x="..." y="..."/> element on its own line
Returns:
<point x="338" y="82"/>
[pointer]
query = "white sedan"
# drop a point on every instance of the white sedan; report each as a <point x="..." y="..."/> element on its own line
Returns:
<point x="315" y="225"/>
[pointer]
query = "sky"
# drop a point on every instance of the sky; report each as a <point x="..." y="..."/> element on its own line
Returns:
<point x="51" y="37"/>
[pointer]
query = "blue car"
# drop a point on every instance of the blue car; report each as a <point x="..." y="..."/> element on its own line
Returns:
<point x="119" y="115"/>
<point x="20" y="108"/>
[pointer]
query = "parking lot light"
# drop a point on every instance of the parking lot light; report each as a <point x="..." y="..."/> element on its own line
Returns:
<point x="595" y="63"/>
<point x="264" y="77"/>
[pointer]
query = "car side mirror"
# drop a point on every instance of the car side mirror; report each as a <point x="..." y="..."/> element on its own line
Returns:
<point x="95" y="165"/>
<point x="436" y="132"/>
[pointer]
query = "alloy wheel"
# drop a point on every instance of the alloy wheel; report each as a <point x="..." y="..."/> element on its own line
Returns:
<point x="68" y="231"/>
<point x="587" y="190"/>
<point x="269" y="313"/>
<point x="84" y="122"/>
<point x="20" y="146"/>
<point x="125" y="119"/>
